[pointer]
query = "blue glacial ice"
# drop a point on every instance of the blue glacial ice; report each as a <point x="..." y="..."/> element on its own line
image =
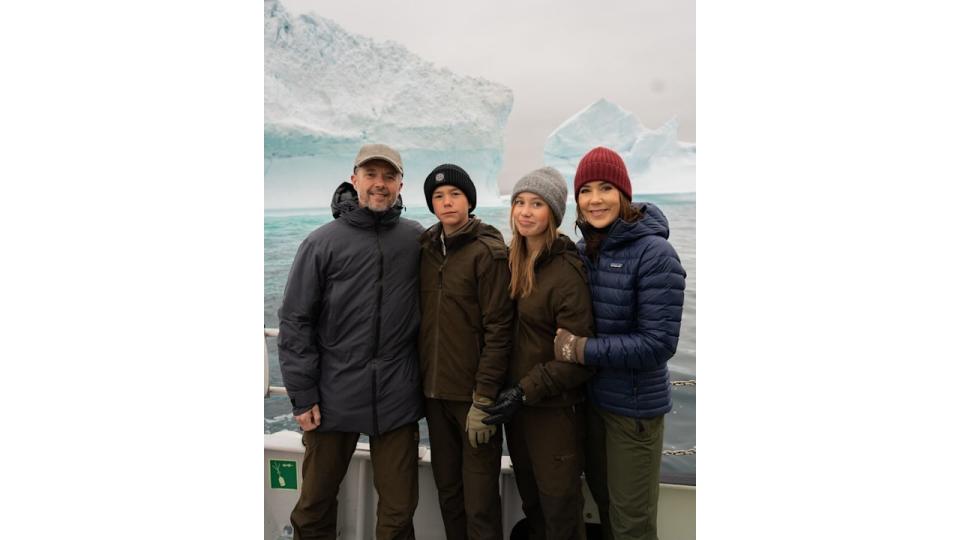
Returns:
<point x="327" y="92"/>
<point x="656" y="160"/>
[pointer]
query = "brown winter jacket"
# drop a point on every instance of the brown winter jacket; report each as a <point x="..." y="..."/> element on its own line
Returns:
<point x="466" y="314"/>
<point x="560" y="299"/>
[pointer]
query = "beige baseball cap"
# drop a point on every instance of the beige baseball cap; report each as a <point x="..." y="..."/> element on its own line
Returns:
<point x="378" y="151"/>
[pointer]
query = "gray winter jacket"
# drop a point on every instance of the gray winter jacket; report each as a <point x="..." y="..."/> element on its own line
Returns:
<point x="349" y="320"/>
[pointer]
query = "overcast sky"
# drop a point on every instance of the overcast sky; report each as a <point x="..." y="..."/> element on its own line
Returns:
<point x="557" y="56"/>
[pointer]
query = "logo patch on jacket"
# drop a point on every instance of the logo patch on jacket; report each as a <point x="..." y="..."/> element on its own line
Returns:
<point x="439" y="177"/>
<point x="616" y="265"/>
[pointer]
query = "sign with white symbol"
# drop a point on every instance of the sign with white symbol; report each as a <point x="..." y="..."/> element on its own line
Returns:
<point x="283" y="474"/>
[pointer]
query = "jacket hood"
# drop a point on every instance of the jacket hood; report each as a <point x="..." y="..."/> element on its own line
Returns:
<point x="485" y="230"/>
<point x="654" y="223"/>
<point x="346" y="204"/>
<point x="563" y="246"/>
<point x="344" y="200"/>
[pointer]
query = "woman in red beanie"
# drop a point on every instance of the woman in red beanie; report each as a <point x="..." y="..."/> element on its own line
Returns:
<point x="636" y="285"/>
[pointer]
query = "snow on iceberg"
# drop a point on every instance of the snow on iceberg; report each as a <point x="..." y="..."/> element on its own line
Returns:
<point x="656" y="160"/>
<point x="327" y="92"/>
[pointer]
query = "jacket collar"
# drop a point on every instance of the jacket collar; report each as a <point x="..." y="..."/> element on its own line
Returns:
<point x="562" y="245"/>
<point x="468" y="233"/>
<point x="654" y="223"/>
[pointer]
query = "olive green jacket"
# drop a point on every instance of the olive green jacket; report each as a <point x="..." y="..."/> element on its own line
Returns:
<point x="560" y="299"/>
<point x="466" y="315"/>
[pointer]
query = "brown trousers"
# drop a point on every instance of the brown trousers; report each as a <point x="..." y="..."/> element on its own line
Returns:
<point x="468" y="479"/>
<point x="546" y="446"/>
<point x="325" y="462"/>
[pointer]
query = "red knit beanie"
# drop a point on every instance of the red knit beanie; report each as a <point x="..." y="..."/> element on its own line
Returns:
<point x="603" y="164"/>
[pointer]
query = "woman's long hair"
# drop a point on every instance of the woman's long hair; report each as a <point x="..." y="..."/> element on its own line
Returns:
<point x="522" y="259"/>
<point x="628" y="213"/>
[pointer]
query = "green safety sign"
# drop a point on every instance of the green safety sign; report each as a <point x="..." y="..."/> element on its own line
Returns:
<point x="283" y="474"/>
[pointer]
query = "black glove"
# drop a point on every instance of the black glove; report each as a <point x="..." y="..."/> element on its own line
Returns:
<point x="507" y="403"/>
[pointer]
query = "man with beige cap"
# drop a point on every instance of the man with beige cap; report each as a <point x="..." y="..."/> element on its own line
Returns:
<point x="348" y="348"/>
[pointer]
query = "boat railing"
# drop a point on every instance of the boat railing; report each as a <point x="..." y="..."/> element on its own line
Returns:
<point x="274" y="391"/>
<point x="270" y="391"/>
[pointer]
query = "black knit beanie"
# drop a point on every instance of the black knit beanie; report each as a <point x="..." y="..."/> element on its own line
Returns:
<point x="448" y="174"/>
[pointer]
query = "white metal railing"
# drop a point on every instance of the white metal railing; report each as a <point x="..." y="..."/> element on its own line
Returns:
<point x="270" y="391"/>
<point x="273" y="391"/>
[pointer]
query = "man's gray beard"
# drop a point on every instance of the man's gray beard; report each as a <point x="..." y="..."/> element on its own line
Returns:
<point x="387" y="205"/>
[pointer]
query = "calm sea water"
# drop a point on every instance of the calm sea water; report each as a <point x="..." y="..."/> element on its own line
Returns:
<point x="283" y="230"/>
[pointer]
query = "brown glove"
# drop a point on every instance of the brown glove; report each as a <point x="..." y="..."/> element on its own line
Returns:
<point x="477" y="432"/>
<point x="568" y="347"/>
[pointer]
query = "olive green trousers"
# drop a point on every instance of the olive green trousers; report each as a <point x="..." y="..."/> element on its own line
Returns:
<point x="623" y="472"/>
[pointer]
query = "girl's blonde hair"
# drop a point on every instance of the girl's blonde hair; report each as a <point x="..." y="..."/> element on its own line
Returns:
<point x="522" y="259"/>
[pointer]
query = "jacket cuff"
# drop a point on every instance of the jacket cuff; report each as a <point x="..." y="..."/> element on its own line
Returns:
<point x="590" y="352"/>
<point x="297" y="411"/>
<point x="303" y="400"/>
<point x="486" y="390"/>
<point x="581" y="347"/>
<point x="482" y="401"/>
<point x="532" y="392"/>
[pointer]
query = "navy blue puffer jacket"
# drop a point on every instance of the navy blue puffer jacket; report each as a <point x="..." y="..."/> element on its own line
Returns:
<point x="637" y="288"/>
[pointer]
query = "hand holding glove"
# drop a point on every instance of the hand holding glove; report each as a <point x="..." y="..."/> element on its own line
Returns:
<point x="508" y="401"/>
<point x="477" y="431"/>
<point x="568" y="347"/>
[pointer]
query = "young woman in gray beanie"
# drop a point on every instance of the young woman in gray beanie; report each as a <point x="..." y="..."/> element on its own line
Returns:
<point x="541" y="403"/>
<point x="637" y="283"/>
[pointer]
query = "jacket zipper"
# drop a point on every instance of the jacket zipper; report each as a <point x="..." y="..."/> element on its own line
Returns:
<point x="376" y="328"/>
<point x="436" y="334"/>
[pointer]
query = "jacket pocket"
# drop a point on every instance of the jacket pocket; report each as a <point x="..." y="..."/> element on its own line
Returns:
<point x="648" y="428"/>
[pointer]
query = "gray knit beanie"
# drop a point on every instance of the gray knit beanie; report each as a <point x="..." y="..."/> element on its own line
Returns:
<point x="549" y="184"/>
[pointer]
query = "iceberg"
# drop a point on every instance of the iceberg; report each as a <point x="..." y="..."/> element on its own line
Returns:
<point x="328" y="91"/>
<point x="658" y="162"/>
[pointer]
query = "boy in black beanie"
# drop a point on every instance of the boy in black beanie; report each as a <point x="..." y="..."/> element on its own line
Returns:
<point x="465" y="334"/>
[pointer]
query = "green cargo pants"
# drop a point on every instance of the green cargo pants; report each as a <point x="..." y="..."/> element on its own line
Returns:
<point x="468" y="479"/>
<point x="623" y="472"/>
<point x="325" y="461"/>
